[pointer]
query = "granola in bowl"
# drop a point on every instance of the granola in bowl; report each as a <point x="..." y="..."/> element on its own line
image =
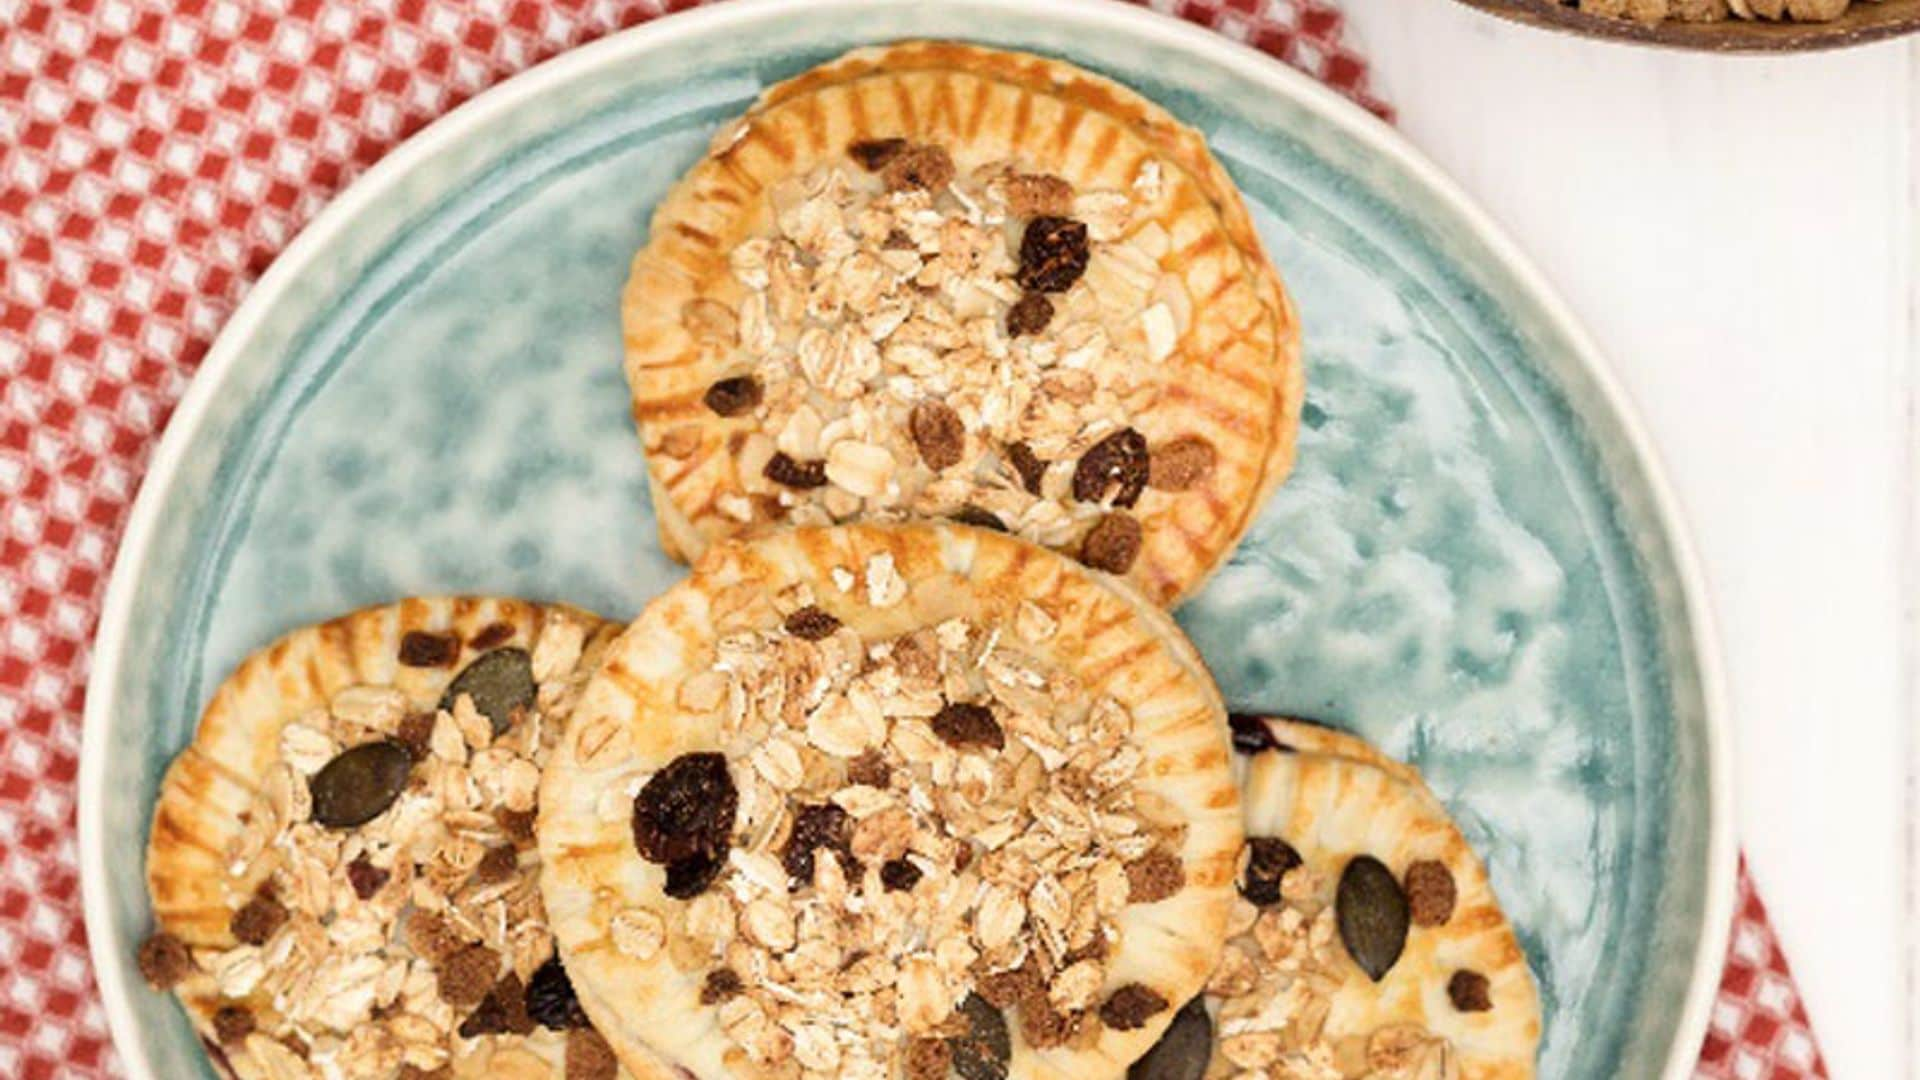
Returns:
<point x="1366" y="940"/>
<point x="940" y="281"/>
<point x="884" y="801"/>
<point x="342" y="864"/>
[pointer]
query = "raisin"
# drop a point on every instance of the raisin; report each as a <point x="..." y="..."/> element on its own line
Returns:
<point x="1268" y="860"/>
<point x="966" y="726"/>
<point x="164" y="961"/>
<point x="492" y="636"/>
<point x="938" y="433"/>
<point x="467" y="975"/>
<point x="418" y="648"/>
<point x="1116" y="465"/>
<point x="736" y="396"/>
<point x="689" y="877"/>
<point x="1251" y="735"/>
<point x="259" y="918"/>
<point x="359" y="784"/>
<point x="982" y="1051"/>
<point x="1371" y="912"/>
<point x="1430" y="893"/>
<point x="899" y="875"/>
<point x="1180" y="464"/>
<point x="871" y="769"/>
<point x="1031" y="469"/>
<point x="501" y="685"/>
<point x="1029" y="315"/>
<point x="1053" y="254"/>
<point x="1128" y="1008"/>
<point x="811" y="624"/>
<point x="1037" y="194"/>
<point x="232" y="1023"/>
<point x="822" y="825"/>
<point x="1470" y="991"/>
<point x="1112" y="544"/>
<point x="500" y="863"/>
<point x="788" y="471"/>
<point x="589" y="1057"/>
<point x="721" y="984"/>
<point x="366" y="878"/>
<point x="550" y="998"/>
<point x="686" y="809"/>
<point x="1154" y="877"/>
<point x="927" y="168"/>
<point x="502" y="1011"/>
<point x="873" y="154"/>
<point x="416" y="734"/>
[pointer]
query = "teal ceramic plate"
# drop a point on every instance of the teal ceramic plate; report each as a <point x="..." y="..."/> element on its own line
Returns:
<point x="1476" y="563"/>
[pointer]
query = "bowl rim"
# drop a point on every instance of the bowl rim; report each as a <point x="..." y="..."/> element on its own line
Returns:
<point x="111" y="972"/>
<point x="1753" y="38"/>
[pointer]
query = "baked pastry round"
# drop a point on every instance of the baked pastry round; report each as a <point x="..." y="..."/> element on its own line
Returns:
<point x="936" y="280"/>
<point x="889" y="800"/>
<point x="1366" y="940"/>
<point x="342" y="864"/>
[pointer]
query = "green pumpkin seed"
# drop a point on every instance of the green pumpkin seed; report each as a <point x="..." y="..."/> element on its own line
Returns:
<point x="359" y="784"/>
<point x="983" y="1051"/>
<point x="1184" y="1051"/>
<point x="1373" y="915"/>
<point x="498" y="682"/>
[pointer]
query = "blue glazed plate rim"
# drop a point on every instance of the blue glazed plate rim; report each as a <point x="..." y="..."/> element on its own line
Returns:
<point x="1374" y="138"/>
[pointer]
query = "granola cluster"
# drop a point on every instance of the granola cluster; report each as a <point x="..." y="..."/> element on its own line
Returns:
<point x="906" y="843"/>
<point x="386" y="915"/>
<point x="1706" y="11"/>
<point x="915" y="342"/>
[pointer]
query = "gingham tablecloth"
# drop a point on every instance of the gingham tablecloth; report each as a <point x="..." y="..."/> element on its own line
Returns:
<point x="154" y="156"/>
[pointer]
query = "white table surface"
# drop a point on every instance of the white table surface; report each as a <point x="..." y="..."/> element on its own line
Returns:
<point x="1740" y="235"/>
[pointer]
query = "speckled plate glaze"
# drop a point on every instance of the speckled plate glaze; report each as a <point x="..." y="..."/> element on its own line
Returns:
<point x="1476" y="563"/>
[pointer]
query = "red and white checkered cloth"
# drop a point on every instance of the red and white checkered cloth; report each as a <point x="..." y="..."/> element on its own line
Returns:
<point x="154" y="156"/>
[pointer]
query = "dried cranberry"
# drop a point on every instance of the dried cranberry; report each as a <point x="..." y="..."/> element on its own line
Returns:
<point x="918" y="167"/>
<point x="1470" y="991"/>
<point x="1268" y="860"/>
<point x="1053" y="254"/>
<point x="1430" y="893"/>
<point x="823" y="825"/>
<point x="899" y="875"/>
<point x="1117" y="465"/>
<point x="492" y="636"/>
<point x="789" y="471"/>
<point x="421" y="649"/>
<point x="366" y="878"/>
<point x="1129" y="1007"/>
<point x="736" y="396"/>
<point x="551" y="1001"/>
<point x="721" y="984"/>
<point x="1030" y="468"/>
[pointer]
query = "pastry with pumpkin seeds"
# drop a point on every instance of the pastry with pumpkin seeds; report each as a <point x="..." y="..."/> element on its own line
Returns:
<point x="342" y="865"/>
<point x="874" y="801"/>
<point x="1367" y="940"/>
<point x="939" y="280"/>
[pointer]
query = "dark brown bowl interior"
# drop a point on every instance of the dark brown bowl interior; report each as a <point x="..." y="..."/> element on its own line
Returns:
<point x="1864" y="21"/>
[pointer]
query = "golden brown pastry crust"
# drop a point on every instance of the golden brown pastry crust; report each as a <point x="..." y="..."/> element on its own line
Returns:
<point x="1236" y="377"/>
<point x="631" y="723"/>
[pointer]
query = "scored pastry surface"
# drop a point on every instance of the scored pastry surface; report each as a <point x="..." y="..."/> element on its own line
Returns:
<point x="871" y="798"/>
<point x="938" y="280"/>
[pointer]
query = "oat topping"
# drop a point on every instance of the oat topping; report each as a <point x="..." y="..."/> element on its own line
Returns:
<point x="927" y="835"/>
<point x="386" y="916"/>
<point x="986" y="347"/>
<point x="1292" y="942"/>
